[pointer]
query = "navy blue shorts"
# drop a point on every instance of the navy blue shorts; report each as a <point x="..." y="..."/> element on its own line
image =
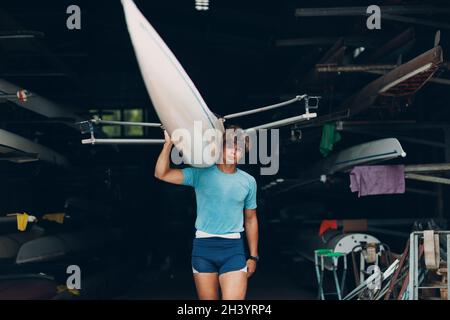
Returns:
<point x="218" y="255"/>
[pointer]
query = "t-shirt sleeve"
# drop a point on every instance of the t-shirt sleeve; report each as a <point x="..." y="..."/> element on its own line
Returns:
<point x="190" y="176"/>
<point x="250" y="199"/>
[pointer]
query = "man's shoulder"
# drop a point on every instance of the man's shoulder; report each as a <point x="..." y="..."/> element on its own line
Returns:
<point x="199" y="169"/>
<point x="247" y="176"/>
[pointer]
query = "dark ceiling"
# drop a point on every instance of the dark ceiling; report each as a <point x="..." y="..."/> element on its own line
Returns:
<point x="230" y="51"/>
<point x="239" y="54"/>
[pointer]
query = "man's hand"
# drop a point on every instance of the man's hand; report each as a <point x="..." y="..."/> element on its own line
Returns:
<point x="251" y="267"/>
<point x="163" y="171"/>
<point x="167" y="138"/>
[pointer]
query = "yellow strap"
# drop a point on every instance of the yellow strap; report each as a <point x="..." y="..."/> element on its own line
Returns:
<point x="61" y="288"/>
<point x="22" y="221"/>
<point x="74" y="291"/>
<point x="57" y="217"/>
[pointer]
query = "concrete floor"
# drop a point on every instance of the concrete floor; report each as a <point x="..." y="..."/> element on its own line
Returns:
<point x="271" y="281"/>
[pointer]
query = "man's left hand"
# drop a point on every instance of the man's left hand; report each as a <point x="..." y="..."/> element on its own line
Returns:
<point x="251" y="267"/>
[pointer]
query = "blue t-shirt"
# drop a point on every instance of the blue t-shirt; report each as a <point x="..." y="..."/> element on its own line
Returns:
<point x="221" y="198"/>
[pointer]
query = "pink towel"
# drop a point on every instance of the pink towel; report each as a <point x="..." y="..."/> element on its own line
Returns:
<point x="372" y="180"/>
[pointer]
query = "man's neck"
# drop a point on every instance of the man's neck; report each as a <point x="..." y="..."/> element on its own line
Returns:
<point x="227" y="168"/>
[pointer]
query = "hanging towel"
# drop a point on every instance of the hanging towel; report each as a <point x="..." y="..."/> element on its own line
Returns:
<point x="373" y="180"/>
<point x="329" y="137"/>
<point x="22" y="221"/>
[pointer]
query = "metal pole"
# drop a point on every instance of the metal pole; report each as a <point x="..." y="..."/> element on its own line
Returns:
<point x="397" y="271"/>
<point x="427" y="167"/>
<point x="361" y="267"/>
<point x="362" y="11"/>
<point x="126" y="123"/>
<point x="448" y="266"/>
<point x="355" y="41"/>
<point x="371" y="278"/>
<point x="416" y="268"/>
<point x="421" y="177"/>
<point x="434" y="79"/>
<point x="344" y="276"/>
<point x="285" y="122"/>
<point x="18" y="36"/>
<point x="94" y="141"/>
<point x="411" y="265"/>
<point x="353" y="68"/>
<point x="336" y="280"/>
<point x="319" y="274"/>
<point x="270" y="107"/>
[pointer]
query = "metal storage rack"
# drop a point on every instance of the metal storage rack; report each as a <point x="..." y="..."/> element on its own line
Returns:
<point x="414" y="284"/>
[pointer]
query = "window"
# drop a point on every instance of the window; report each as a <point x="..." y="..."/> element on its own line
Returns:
<point x="109" y="130"/>
<point x="115" y="131"/>
<point x="134" y="115"/>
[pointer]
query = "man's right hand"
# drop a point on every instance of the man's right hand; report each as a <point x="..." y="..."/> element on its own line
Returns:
<point x="168" y="140"/>
<point x="162" y="168"/>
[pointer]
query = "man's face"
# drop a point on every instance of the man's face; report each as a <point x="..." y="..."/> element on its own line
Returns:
<point x="232" y="152"/>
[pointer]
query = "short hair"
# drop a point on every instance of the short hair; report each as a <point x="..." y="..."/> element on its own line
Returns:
<point x="236" y="133"/>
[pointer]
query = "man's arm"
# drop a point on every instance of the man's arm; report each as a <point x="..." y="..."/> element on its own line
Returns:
<point x="251" y="231"/>
<point x="163" y="171"/>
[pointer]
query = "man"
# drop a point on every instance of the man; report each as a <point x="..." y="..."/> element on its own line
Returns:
<point x="226" y="202"/>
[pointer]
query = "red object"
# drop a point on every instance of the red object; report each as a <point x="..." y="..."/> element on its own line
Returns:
<point x="22" y="95"/>
<point x="327" y="225"/>
<point x="27" y="289"/>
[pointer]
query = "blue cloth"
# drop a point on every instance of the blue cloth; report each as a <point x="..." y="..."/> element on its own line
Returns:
<point x="218" y="255"/>
<point x="221" y="198"/>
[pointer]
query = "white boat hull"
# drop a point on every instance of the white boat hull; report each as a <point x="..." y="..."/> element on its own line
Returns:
<point x="18" y="149"/>
<point x="175" y="98"/>
<point x="367" y="153"/>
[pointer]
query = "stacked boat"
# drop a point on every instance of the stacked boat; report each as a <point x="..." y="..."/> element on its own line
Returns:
<point x="34" y="263"/>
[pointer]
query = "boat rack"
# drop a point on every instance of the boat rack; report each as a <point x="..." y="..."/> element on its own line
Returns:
<point x="311" y="103"/>
<point x="433" y="244"/>
<point x="88" y="127"/>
